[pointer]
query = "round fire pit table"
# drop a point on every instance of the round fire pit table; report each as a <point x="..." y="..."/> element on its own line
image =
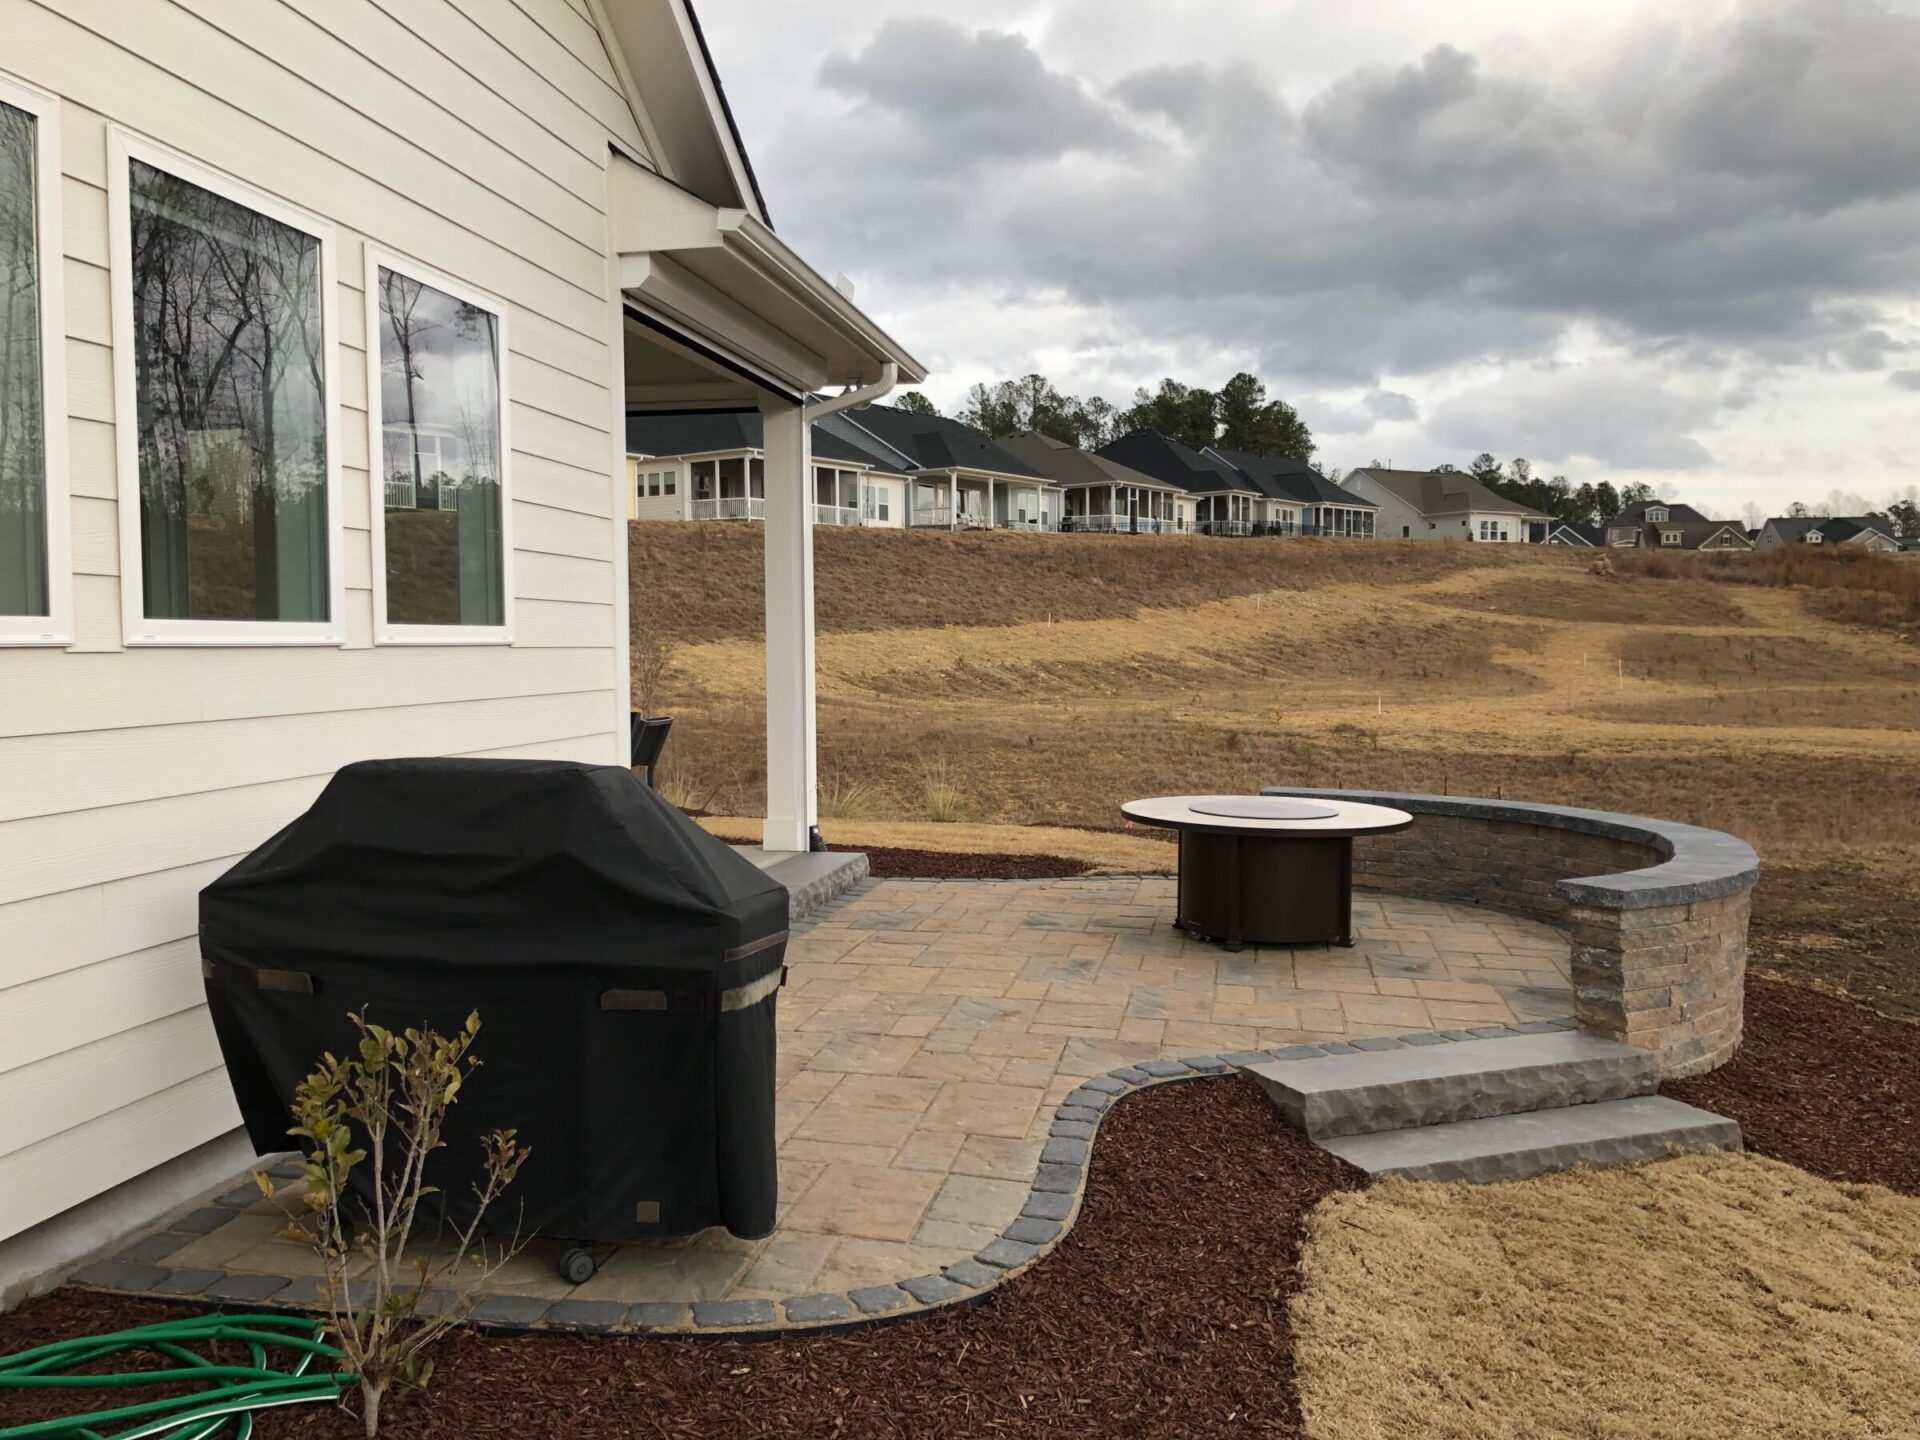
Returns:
<point x="1264" y="869"/>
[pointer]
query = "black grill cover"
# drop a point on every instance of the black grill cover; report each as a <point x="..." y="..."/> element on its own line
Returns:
<point x="623" y="961"/>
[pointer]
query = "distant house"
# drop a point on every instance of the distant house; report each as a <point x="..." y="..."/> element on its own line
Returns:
<point x="1575" y="532"/>
<point x="961" y="479"/>
<point x="1226" y="502"/>
<point x="1869" y="532"/>
<point x="1102" y="495"/>
<point x="711" y="465"/>
<point x="1669" y="525"/>
<point x="1441" y="505"/>
<point x="1315" y="505"/>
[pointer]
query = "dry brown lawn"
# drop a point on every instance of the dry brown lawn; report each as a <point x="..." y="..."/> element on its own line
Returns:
<point x="1018" y="680"/>
<point x="1713" y="1297"/>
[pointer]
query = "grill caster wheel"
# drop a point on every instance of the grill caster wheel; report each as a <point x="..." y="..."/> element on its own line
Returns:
<point x="577" y="1265"/>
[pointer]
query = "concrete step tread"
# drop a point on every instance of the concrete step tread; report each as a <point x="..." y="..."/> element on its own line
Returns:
<point x="1397" y="1089"/>
<point x="1511" y="1147"/>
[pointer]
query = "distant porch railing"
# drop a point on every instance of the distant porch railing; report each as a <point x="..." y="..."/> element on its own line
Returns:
<point x="1223" y="527"/>
<point x="933" y="515"/>
<point x="836" y="514"/>
<point x="731" y="507"/>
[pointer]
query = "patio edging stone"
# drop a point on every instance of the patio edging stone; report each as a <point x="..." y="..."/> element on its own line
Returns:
<point x="1045" y="1220"/>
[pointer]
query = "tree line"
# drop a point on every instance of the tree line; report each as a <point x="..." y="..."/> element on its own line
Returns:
<point x="1240" y="415"/>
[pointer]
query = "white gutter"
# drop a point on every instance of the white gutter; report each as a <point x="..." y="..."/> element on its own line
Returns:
<point x="775" y="259"/>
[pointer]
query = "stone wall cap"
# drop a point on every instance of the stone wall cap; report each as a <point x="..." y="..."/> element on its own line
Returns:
<point x="1699" y="864"/>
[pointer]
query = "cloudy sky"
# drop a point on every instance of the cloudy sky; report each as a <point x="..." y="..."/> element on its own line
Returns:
<point x="1676" y="242"/>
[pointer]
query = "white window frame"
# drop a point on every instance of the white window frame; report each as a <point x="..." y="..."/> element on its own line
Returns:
<point x="55" y="628"/>
<point x="1657" y="515"/>
<point x="1671" y="537"/>
<point x="384" y="632"/>
<point x="137" y="629"/>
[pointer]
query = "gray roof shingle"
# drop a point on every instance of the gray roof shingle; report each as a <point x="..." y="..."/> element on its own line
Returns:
<point x="1444" y="492"/>
<point x="697" y="432"/>
<point x="937" y="443"/>
<point x="1286" y="477"/>
<point x="1069" y="466"/>
<point x="1167" y="459"/>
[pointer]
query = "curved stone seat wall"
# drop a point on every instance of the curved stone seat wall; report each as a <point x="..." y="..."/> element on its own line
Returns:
<point x="1657" y="911"/>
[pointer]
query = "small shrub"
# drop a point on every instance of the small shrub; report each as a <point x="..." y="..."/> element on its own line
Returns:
<point x="387" y="1102"/>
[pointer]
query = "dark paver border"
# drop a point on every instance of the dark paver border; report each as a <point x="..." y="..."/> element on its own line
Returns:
<point x="1053" y="1204"/>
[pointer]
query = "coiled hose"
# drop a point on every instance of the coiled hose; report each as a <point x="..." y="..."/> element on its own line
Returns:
<point x="232" y="1393"/>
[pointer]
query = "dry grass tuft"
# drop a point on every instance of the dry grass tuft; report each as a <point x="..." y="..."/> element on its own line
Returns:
<point x="846" y="797"/>
<point x="1711" y="1297"/>
<point x="941" y="798"/>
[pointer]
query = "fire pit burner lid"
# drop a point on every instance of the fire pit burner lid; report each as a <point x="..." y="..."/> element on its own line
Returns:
<point x="1261" y="807"/>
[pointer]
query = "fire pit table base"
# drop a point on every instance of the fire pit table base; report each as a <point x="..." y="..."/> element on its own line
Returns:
<point x="1266" y="889"/>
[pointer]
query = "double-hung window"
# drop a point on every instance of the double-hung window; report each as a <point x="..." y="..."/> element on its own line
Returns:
<point x="34" y="583"/>
<point x="225" y="388"/>
<point x="437" y="400"/>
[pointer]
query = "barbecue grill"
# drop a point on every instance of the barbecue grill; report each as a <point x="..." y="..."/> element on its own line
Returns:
<point x="624" y="964"/>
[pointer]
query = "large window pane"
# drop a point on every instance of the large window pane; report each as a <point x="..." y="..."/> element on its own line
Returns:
<point x="441" y="461"/>
<point x="229" y="366"/>
<point x="23" y="478"/>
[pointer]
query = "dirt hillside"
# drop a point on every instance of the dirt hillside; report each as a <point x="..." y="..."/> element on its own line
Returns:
<point x="1027" y="679"/>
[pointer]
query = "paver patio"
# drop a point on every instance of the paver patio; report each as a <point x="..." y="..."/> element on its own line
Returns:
<point x="929" y="1028"/>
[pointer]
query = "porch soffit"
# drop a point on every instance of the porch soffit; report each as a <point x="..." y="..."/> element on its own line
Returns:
<point x="734" y="286"/>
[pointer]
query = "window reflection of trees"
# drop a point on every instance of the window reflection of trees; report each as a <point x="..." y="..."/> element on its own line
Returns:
<point x="23" y="509"/>
<point x="440" y="456"/>
<point x="230" y="381"/>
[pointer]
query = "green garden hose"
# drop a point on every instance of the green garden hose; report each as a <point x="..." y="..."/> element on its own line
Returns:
<point x="234" y="1391"/>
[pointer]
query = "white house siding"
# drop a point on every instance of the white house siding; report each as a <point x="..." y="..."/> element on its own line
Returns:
<point x="473" y="137"/>
<point x="895" y="495"/>
<point x="1396" y="519"/>
<point x="644" y="506"/>
<point x="1279" y="515"/>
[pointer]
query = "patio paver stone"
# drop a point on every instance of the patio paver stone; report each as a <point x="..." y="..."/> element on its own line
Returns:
<point x="947" y="1050"/>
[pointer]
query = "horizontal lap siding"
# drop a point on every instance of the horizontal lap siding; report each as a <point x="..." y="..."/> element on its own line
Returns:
<point x="473" y="137"/>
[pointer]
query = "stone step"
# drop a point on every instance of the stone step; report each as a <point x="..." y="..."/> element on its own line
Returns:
<point x="1461" y="1080"/>
<point x="1512" y="1147"/>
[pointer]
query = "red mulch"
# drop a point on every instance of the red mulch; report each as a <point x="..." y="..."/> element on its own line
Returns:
<point x="1821" y="1083"/>
<point x="898" y="864"/>
<point x="1163" y="1313"/>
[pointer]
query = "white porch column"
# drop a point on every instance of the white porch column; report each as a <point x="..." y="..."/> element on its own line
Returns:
<point x="791" y="725"/>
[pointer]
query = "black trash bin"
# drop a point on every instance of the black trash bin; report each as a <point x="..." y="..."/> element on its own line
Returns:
<point x="623" y="961"/>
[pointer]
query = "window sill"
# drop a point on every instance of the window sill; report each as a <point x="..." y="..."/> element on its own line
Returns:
<point x="36" y="642"/>
<point x="229" y="641"/>
<point x="442" y="635"/>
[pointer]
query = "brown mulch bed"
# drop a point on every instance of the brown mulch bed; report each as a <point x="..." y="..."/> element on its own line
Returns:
<point x="1163" y="1313"/>
<point x="901" y="864"/>
<point x="1821" y="1083"/>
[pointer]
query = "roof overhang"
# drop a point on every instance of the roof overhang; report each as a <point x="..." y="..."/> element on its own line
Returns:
<point x="721" y="274"/>
<point x="659" y="53"/>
